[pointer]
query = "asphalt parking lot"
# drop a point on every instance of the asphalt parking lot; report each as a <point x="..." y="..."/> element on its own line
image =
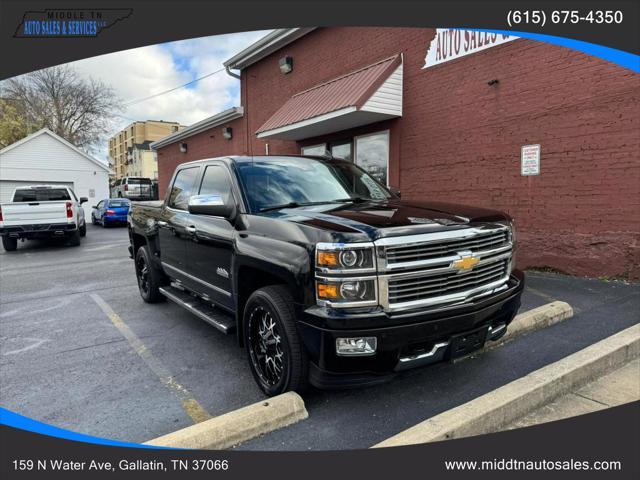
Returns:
<point x="80" y="350"/>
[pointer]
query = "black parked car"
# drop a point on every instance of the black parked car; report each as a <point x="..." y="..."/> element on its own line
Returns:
<point x="324" y="274"/>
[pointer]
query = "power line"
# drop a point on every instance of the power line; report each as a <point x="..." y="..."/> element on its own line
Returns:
<point x="134" y="102"/>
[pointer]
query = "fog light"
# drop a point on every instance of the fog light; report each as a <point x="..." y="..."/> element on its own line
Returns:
<point x="356" y="346"/>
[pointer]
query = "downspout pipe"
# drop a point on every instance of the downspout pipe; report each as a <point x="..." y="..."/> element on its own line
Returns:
<point x="230" y="73"/>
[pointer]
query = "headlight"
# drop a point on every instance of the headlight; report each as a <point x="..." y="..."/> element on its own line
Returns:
<point x="347" y="292"/>
<point x="512" y="230"/>
<point x="512" y="238"/>
<point x="344" y="257"/>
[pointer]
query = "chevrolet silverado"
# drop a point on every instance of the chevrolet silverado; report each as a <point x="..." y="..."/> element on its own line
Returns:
<point x="326" y="276"/>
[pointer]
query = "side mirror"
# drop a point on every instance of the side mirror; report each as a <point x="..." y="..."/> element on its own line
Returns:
<point x="395" y="191"/>
<point x="211" y="204"/>
<point x="94" y="206"/>
<point x="83" y="200"/>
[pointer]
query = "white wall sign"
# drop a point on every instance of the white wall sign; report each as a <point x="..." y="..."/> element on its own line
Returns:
<point x="449" y="44"/>
<point x="530" y="160"/>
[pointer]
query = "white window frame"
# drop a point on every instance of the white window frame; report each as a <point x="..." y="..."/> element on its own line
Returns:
<point x="313" y="146"/>
<point x="355" y="147"/>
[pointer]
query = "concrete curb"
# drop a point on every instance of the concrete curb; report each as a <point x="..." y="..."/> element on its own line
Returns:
<point x="239" y="425"/>
<point x="535" y="319"/>
<point x="494" y="410"/>
<point x="529" y="321"/>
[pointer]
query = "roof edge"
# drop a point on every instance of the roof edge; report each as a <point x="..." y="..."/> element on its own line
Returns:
<point x="218" y="119"/>
<point x="65" y="142"/>
<point x="268" y="44"/>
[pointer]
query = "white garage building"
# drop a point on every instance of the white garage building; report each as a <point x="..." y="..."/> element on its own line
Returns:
<point x="46" y="158"/>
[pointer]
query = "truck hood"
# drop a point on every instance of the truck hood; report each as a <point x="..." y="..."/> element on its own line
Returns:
<point x="391" y="218"/>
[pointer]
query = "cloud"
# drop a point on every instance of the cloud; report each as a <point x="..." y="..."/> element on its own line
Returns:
<point x="138" y="73"/>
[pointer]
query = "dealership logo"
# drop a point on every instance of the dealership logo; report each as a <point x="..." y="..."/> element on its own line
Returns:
<point x="68" y="23"/>
<point x="449" y="44"/>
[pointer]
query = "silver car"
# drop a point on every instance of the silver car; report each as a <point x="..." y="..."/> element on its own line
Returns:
<point x="133" y="188"/>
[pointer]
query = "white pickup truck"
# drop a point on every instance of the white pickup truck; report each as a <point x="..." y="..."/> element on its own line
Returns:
<point x="42" y="211"/>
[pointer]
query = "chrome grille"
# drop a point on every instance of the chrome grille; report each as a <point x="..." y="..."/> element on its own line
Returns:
<point x="444" y="248"/>
<point x="419" y="287"/>
<point x="417" y="271"/>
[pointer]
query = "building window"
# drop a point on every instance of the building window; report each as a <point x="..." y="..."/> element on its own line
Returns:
<point x="372" y="154"/>
<point x="342" y="149"/>
<point x="314" y="149"/>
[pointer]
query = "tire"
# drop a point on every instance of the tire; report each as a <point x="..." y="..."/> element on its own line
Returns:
<point x="93" y="220"/>
<point x="9" y="244"/>
<point x="282" y="365"/>
<point x="74" y="239"/>
<point x="83" y="230"/>
<point x="150" y="279"/>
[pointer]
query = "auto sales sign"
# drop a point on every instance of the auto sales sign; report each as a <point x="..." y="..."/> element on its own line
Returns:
<point x="449" y="44"/>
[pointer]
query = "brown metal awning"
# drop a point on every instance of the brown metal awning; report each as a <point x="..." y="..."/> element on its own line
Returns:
<point x="368" y="95"/>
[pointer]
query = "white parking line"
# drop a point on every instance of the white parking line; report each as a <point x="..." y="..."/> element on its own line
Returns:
<point x="189" y="404"/>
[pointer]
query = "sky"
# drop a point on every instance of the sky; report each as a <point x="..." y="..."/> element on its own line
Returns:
<point x="141" y="72"/>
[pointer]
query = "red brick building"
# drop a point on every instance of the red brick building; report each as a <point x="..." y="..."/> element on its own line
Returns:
<point x="456" y="132"/>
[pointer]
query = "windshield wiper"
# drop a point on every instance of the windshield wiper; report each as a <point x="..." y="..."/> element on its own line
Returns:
<point x="353" y="200"/>
<point x="292" y="205"/>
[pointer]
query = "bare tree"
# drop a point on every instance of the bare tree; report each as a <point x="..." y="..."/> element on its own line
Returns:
<point x="81" y="110"/>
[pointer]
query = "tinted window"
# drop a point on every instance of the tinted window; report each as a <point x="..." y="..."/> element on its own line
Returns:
<point x="216" y="180"/>
<point x="139" y="181"/>
<point x="41" y="195"/>
<point x="118" y="203"/>
<point x="182" y="188"/>
<point x="279" y="181"/>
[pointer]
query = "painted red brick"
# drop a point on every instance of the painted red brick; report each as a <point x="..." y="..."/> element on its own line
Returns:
<point x="459" y="139"/>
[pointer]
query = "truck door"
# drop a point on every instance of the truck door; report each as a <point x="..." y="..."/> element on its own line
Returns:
<point x="210" y="245"/>
<point x="173" y="223"/>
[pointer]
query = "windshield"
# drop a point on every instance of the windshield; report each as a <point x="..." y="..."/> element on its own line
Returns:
<point x="41" y="195"/>
<point x="291" y="181"/>
<point x="139" y="181"/>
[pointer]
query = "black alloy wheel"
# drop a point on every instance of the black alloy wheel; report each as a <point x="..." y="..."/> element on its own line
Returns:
<point x="148" y="276"/>
<point x="267" y="354"/>
<point x="142" y="271"/>
<point x="276" y="355"/>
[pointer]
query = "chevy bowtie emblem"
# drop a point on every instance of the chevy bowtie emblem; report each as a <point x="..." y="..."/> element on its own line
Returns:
<point x="467" y="262"/>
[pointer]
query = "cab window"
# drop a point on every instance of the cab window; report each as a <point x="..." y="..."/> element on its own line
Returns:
<point x="216" y="180"/>
<point x="182" y="188"/>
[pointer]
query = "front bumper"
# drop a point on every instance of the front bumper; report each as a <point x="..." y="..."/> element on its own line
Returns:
<point x="408" y="336"/>
<point x="39" y="230"/>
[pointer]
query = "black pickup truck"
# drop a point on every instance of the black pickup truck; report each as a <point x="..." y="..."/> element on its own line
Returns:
<point x="326" y="276"/>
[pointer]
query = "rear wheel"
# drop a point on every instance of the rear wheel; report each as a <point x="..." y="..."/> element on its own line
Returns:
<point x="74" y="239"/>
<point x="83" y="229"/>
<point x="9" y="244"/>
<point x="149" y="277"/>
<point x="277" y="358"/>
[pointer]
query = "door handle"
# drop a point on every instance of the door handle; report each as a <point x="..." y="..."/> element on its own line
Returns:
<point x="191" y="229"/>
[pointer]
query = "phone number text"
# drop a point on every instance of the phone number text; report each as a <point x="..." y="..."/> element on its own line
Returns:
<point x="540" y="17"/>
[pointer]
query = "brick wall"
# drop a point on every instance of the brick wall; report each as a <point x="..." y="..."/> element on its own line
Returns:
<point x="207" y="144"/>
<point x="459" y="139"/>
